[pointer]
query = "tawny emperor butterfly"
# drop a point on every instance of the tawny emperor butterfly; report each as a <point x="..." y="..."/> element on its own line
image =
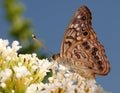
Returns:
<point x="80" y="49"/>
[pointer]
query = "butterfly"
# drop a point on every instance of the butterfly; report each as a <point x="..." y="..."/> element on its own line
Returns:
<point x="80" y="49"/>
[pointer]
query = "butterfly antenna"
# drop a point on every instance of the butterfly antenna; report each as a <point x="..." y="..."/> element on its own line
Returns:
<point x="41" y="44"/>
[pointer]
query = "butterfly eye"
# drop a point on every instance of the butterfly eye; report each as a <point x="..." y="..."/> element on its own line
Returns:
<point x="54" y="57"/>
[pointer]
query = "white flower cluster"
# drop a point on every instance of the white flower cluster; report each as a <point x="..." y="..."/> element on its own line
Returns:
<point x="66" y="83"/>
<point x="25" y="73"/>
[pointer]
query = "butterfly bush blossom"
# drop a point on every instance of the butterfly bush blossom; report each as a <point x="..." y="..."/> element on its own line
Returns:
<point x="25" y="73"/>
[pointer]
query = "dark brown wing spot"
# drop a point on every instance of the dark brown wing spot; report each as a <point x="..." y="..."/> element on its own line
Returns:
<point x="99" y="62"/>
<point x="76" y="54"/>
<point x="101" y="68"/>
<point x="93" y="53"/>
<point x="90" y="67"/>
<point x="96" y="57"/>
<point x="87" y="47"/>
<point x="95" y="49"/>
<point x="85" y="43"/>
<point x="69" y="37"/>
<point x="68" y="42"/>
<point x="83" y="18"/>
<point x="85" y="33"/>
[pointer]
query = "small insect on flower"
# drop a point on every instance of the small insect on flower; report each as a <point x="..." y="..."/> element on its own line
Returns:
<point x="80" y="48"/>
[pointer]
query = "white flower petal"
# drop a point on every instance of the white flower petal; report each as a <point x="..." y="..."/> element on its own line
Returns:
<point x="4" y="75"/>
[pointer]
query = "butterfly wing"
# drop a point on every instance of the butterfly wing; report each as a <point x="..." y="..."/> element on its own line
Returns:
<point x="89" y="55"/>
<point x="78" y="28"/>
<point x="80" y="44"/>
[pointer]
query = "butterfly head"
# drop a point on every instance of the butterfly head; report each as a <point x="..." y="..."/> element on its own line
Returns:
<point x="55" y="56"/>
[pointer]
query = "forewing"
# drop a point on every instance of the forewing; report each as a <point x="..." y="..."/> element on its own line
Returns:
<point x="78" y="29"/>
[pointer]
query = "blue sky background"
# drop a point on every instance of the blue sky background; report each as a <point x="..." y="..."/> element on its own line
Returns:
<point x="50" y="19"/>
